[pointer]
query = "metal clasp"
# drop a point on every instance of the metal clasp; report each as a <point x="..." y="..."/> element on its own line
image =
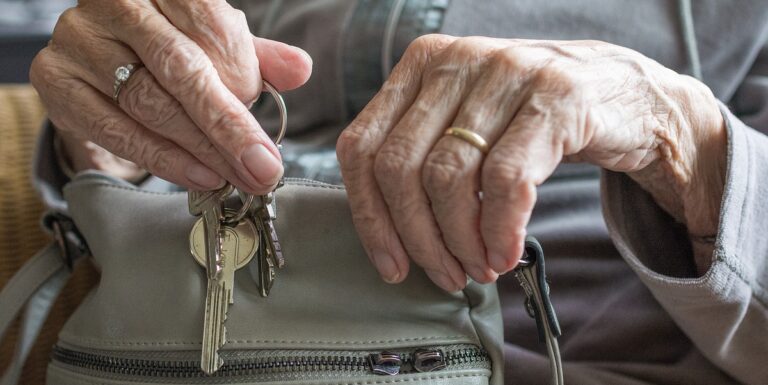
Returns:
<point x="71" y="243"/>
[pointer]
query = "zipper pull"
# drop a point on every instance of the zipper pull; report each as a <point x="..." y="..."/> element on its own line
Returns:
<point x="428" y="360"/>
<point x="385" y="363"/>
<point x="530" y="272"/>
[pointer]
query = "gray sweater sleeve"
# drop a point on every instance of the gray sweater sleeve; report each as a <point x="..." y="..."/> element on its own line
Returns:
<point x="725" y="311"/>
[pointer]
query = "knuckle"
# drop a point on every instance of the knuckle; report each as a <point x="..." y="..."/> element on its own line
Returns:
<point x="425" y="45"/>
<point x="421" y="45"/>
<point x="553" y="79"/>
<point x="443" y="171"/>
<point x="39" y="71"/>
<point x="239" y="16"/>
<point x="147" y="102"/>
<point x="182" y="64"/>
<point x="350" y="147"/>
<point x="128" y="13"/>
<point x="507" y="58"/>
<point x="502" y="175"/>
<point x="68" y="22"/>
<point x="392" y="165"/>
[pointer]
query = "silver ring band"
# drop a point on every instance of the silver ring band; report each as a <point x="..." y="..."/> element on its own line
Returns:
<point x="122" y="74"/>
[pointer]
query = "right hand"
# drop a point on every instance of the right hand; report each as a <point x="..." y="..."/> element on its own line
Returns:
<point x="184" y="115"/>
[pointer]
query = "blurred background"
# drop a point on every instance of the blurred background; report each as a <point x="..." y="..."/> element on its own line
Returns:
<point x="25" y="27"/>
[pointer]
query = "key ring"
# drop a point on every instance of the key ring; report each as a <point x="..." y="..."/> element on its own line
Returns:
<point x="250" y="200"/>
<point x="283" y="111"/>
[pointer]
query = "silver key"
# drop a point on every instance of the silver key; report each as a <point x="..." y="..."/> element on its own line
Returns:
<point x="209" y="204"/>
<point x="270" y="251"/>
<point x="238" y="245"/>
<point x="220" y="257"/>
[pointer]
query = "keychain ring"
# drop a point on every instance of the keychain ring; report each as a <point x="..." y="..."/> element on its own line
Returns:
<point x="250" y="199"/>
<point x="281" y="106"/>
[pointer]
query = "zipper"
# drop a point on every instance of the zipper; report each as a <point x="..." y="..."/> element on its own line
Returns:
<point x="276" y="363"/>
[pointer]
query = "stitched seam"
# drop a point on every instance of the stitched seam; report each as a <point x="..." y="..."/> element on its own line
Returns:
<point x="289" y="342"/>
<point x="396" y="381"/>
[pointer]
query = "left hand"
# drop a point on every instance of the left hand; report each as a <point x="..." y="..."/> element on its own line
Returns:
<point x="415" y="192"/>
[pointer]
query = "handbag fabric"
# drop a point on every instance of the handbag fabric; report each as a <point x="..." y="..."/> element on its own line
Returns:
<point x="327" y="300"/>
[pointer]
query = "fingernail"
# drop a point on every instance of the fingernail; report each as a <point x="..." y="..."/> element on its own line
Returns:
<point x="443" y="280"/>
<point x="262" y="164"/>
<point x="204" y="177"/>
<point x="386" y="266"/>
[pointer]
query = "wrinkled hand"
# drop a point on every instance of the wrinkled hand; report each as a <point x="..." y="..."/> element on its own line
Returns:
<point x="415" y="192"/>
<point x="184" y="116"/>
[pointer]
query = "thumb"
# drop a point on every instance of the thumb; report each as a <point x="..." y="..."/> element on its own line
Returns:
<point x="286" y="67"/>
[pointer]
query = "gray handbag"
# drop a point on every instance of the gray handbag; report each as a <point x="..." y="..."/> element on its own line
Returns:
<point x="328" y="320"/>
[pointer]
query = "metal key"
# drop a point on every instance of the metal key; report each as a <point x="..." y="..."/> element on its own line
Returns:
<point x="241" y="239"/>
<point x="270" y="251"/>
<point x="209" y="204"/>
<point x="238" y="245"/>
<point x="220" y="253"/>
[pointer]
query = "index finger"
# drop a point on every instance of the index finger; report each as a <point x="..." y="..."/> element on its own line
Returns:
<point x="186" y="72"/>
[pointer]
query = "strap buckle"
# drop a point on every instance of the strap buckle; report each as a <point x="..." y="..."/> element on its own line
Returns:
<point x="71" y="243"/>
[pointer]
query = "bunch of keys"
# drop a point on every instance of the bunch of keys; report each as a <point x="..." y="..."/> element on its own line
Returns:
<point x="224" y="240"/>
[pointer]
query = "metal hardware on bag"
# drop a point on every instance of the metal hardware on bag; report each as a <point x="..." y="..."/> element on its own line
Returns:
<point x="71" y="243"/>
<point x="532" y="277"/>
<point x="428" y="360"/>
<point x="385" y="363"/>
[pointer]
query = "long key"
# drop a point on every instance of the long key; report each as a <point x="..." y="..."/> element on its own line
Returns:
<point x="270" y="251"/>
<point x="239" y="243"/>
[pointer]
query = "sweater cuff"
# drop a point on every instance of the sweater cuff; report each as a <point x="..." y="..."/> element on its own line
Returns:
<point x="724" y="311"/>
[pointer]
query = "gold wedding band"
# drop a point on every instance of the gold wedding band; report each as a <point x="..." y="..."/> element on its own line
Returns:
<point x="470" y="137"/>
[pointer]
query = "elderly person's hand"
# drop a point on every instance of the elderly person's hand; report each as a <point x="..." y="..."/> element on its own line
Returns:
<point x="455" y="211"/>
<point x="182" y="116"/>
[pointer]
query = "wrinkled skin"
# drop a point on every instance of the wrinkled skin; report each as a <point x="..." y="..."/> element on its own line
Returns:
<point x="415" y="192"/>
<point x="184" y="116"/>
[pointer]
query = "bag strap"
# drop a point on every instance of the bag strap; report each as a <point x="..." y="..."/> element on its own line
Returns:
<point x="37" y="285"/>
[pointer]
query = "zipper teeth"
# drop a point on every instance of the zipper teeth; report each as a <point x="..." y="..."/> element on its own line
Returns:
<point x="244" y="366"/>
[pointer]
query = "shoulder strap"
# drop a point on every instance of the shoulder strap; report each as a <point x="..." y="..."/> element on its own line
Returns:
<point x="37" y="285"/>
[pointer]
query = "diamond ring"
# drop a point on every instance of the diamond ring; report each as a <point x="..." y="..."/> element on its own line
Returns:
<point x="122" y="74"/>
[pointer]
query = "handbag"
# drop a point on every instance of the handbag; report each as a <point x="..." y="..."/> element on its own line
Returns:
<point x="328" y="320"/>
